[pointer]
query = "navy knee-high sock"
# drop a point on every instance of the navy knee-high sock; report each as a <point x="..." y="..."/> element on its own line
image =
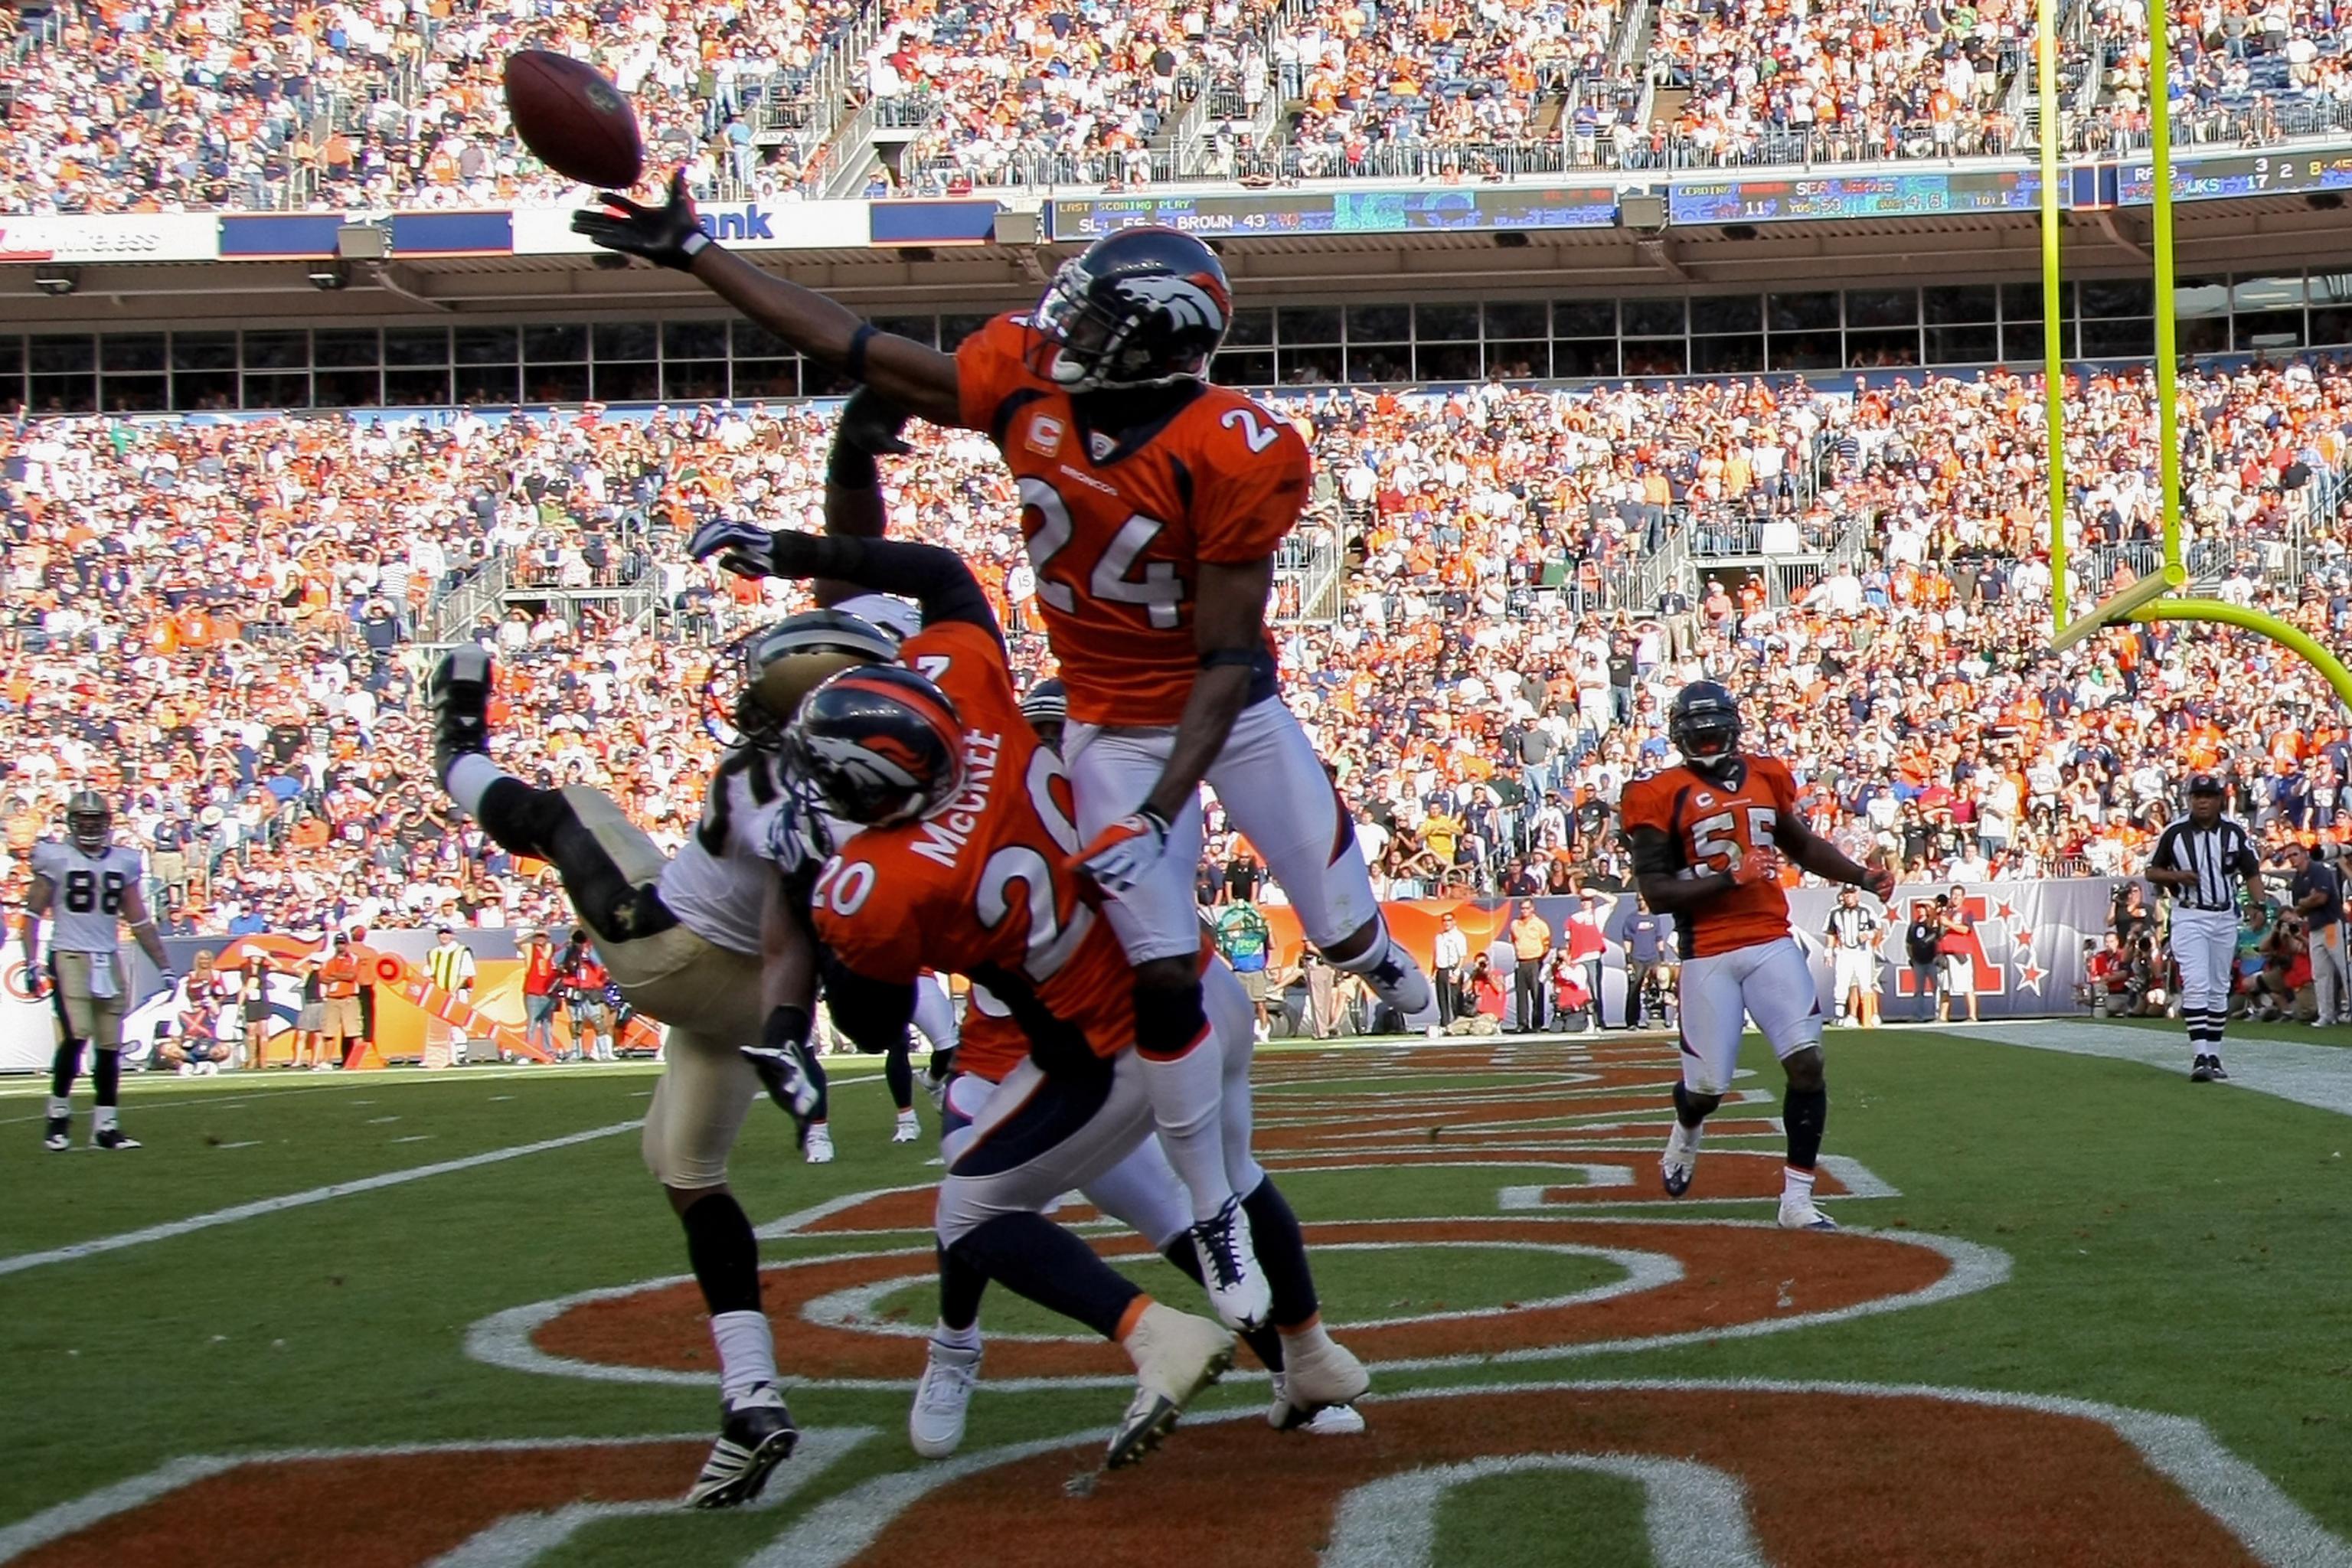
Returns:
<point x="1805" y="1111"/>
<point x="1032" y="1257"/>
<point x="899" y="1074"/>
<point x="962" y="1285"/>
<point x="1282" y="1253"/>
<point x="724" y="1252"/>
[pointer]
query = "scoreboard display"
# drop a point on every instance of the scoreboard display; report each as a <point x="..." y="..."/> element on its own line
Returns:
<point x="1895" y="193"/>
<point x="1249" y="214"/>
<point x="2249" y="174"/>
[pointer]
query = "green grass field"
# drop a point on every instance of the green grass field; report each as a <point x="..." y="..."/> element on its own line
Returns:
<point x="2072" y="1229"/>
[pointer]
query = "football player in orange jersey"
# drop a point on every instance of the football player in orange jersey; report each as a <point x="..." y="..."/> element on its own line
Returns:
<point x="964" y="819"/>
<point x="1151" y="504"/>
<point x="1709" y="838"/>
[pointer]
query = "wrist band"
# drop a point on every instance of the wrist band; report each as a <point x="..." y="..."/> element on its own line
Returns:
<point x="694" y="245"/>
<point x="853" y="361"/>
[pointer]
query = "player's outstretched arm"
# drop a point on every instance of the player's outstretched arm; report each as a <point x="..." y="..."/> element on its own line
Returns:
<point x="1813" y="853"/>
<point x="913" y="375"/>
<point x="869" y="430"/>
<point x="934" y="578"/>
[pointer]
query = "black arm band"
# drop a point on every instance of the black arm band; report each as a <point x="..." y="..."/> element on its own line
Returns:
<point x="851" y="468"/>
<point x="853" y="361"/>
<point x="786" y="1027"/>
<point x="1224" y="658"/>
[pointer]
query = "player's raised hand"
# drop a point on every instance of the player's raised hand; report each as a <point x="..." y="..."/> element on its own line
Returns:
<point x="667" y="236"/>
<point x="1123" y="854"/>
<point x="1757" y="866"/>
<point x="1881" y="884"/>
<point x="870" y="424"/>
<point x="743" y="548"/>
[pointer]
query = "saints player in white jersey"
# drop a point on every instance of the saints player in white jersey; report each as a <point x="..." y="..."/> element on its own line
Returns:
<point x="707" y="943"/>
<point x="89" y="887"/>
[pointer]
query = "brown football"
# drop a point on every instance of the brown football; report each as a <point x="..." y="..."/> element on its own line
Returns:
<point x="578" y="123"/>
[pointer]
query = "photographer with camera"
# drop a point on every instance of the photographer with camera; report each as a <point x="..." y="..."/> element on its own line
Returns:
<point x="2282" y="987"/>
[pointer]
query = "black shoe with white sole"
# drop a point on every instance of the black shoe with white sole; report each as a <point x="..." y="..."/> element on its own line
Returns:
<point x="2213" y="1065"/>
<point x="59" y="1137"/>
<point x="2201" y="1070"/>
<point x="756" y="1435"/>
<point x="459" y="691"/>
<point x="112" y="1138"/>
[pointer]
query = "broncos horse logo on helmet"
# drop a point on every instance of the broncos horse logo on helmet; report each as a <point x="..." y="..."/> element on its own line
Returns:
<point x="1144" y="307"/>
<point x="877" y="746"/>
<point x="89" y="821"/>
<point x="1705" y="726"/>
<point x="775" y="666"/>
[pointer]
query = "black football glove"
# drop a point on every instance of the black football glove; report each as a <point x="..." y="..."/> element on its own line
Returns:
<point x="749" y="550"/>
<point x="667" y="236"/>
<point x="870" y="424"/>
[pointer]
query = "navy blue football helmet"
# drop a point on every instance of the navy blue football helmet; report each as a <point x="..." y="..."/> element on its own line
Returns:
<point x="1144" y="307"/>
<point x="877" y="746"/>
<point x="1705" y="726"/>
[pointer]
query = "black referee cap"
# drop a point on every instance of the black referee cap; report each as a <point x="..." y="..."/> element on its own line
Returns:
<point x="2205" y="783"/>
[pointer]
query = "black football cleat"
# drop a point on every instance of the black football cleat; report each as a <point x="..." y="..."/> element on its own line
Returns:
<point x="459" y="691"/>
<point x="58" y="1136"/>
<point x="112" y="1138"/>
<point x="2213" y="1065"/>
<point x="755" y="1434"/>
<point x="2201" y="1070"/>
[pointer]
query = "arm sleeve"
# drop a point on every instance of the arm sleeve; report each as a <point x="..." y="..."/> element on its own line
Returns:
<point x="1249" y="498"/>
<point x="2160" y="857"/>
<point x="874" y="1013"/>
<point x="934" y="578"/>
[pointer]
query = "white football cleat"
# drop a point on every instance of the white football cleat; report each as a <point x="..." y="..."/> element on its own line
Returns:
<point x="907" y="1129"/>
<point x="1336" y="1420"/>
<point x="818" y="1151"/>
<point x="1176" y="1356"/>
<point x="1237" y="1285"/>
<point x="1799" y="1214"/>
<point x="935" y="1424"/>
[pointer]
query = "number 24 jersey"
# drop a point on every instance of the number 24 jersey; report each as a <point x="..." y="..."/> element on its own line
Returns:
<point x="978" y="888"/>
<point x="1116" y="536"/>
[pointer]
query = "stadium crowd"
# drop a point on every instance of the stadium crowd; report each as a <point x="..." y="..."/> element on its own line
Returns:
<point x="136" y="105"/>
<point x="223" y="624"/>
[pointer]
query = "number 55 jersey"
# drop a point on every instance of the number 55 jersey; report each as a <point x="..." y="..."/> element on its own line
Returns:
<point x="978" y="888"/>
<point x="1116" y="532"/>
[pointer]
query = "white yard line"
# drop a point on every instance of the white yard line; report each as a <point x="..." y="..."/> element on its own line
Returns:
<point x="2317" y="1076"/>
<point x="261" y="1206"/>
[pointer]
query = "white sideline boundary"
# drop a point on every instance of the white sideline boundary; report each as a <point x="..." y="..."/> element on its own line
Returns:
<point x="263" y="1206"/>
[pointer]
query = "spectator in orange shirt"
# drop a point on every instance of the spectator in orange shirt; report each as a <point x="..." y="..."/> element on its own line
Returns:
<point x="339" y="989"/>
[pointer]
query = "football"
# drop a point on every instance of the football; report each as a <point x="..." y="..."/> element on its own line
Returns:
<point x="577" y="123"/>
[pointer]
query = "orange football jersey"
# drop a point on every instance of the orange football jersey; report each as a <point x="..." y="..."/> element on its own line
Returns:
<point x="978" y="889"/>
<point x="1116" y="536"/>
<point x="989" y="1045"/>
<point x="1711" y="821"/>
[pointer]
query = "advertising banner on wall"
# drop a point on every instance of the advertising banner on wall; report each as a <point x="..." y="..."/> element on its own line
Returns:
<point x="121" y="236"/>
<point x="743" y="226"/>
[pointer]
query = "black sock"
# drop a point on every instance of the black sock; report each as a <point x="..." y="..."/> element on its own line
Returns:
<point x="1169" y="1020"/>
<point x="1282" y="1253"/>
<point x="724" y="1252"/>
<point x="106" y="1075"/>
<point x="512" y="815"/>
<point x="1685" y="1112"/>
<point x="64" y="1068"/>
<point x="899" y="1074"/>
<point x="1806" y="1112"/>
<point x="961" y="1288"/>
<point x="1263" y="1342"/>
<point x="1032" y="1257"/>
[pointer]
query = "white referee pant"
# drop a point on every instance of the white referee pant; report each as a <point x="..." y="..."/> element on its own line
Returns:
<point x="2205" y="944"/>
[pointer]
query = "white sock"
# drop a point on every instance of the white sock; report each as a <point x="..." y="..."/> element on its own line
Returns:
<point x="1796" y="1185"/>
<point x="907" y="1115"/>
<point x="1187" y="1096"/>
<point x="470" y="778"/>
<point x="1305" y="1341"/>
<point x="101" y="1119"/>
<point x="59" y="1107"/>
<point x="747" y="1352"/>
<point x="964" y="1339"/>
<point x="1686" y="1138"/>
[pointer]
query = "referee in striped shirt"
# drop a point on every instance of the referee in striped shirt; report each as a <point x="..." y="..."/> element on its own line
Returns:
<point x="2202" y="860"/>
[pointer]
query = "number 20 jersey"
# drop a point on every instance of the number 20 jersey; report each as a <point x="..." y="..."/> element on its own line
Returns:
<point x="1117" y="537"/>
<point x="86" y="893"/>
<point x="1712" y="821"/>
<point x="978" y="888"/>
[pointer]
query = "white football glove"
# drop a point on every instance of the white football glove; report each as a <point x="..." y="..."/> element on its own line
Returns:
<point x="1123" y="854"/>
